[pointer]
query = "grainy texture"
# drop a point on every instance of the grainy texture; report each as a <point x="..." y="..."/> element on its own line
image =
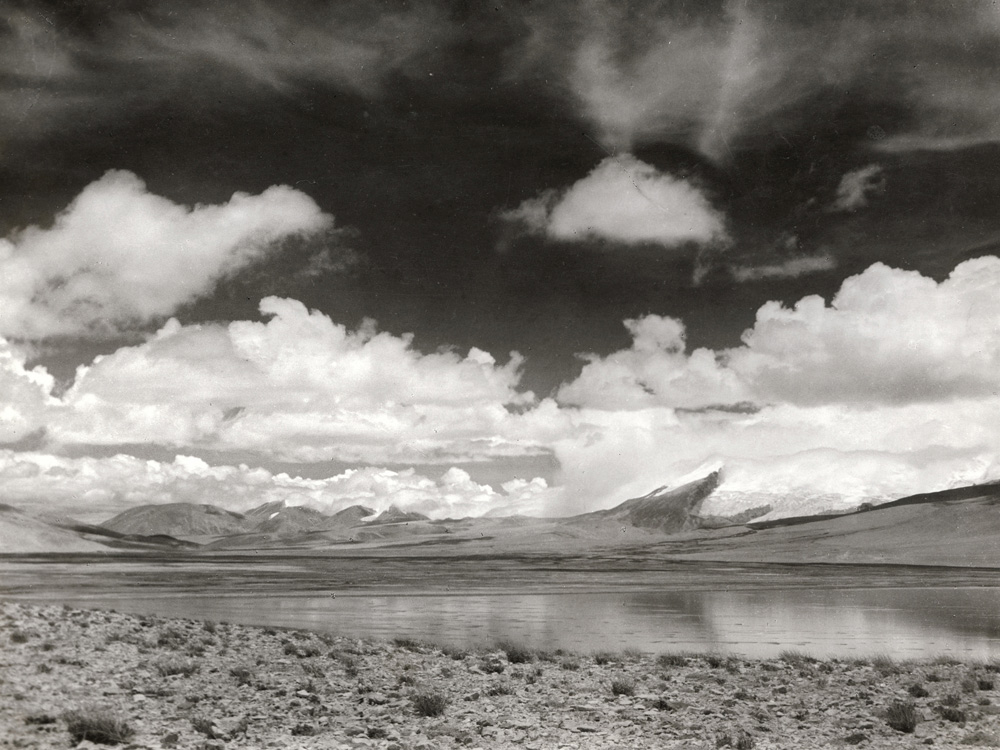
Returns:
<point x="189" y="684"/>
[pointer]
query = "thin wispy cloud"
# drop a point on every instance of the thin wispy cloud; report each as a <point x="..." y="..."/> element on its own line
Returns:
<point x="858" y="186"/>
<point x="723" y="78"/>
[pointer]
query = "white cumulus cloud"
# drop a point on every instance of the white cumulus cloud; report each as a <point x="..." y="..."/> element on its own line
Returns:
<point x="119" y="255"/>
<point x="891" y="387"/>
<point x="299" y="387"/>
<point x="25" y="395"/>
<point x="627" y="201"/>
<point x="894" y="384"/>
<point x="105" y="486"/>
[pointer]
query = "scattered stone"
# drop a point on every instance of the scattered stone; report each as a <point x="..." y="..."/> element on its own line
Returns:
<point x="317" y="702"/>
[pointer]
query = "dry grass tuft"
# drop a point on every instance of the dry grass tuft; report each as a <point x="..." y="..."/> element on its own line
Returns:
<point x="429" y="703"/>
<point x="902" y="717"/>
<point x="97" y="725"/>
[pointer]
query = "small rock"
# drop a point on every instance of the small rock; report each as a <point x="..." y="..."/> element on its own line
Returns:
<point x="170" y="739"/>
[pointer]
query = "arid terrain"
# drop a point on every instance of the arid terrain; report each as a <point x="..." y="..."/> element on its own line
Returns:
<point x="956" y="527"/>
<point x="73" y="678"/>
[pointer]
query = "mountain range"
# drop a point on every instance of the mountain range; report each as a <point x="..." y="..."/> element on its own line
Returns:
<point x="954" y="527"/>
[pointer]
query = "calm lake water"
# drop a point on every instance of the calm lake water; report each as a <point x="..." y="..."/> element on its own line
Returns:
<point x="580" y="604"/>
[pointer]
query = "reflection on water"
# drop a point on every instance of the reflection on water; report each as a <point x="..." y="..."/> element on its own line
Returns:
<point x="728" y="612"/>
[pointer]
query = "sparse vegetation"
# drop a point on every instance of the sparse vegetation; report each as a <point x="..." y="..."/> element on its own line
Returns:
<point x="313" y="669"/>
<point x="885" y="665"/>
<point x="500" y="688"/>
<point x="663" y="704"/>
<point x="243" y="675"/>
<point x="797" y="658"/>
<point x="715" y="660"/>
<point x="407" y="643"/>
<point x="429" y="703"/>
<point x="516" y="653"/>
<point x="205" y="726"/>
<point x="172" y="638"/>
<point x="671" y="660"/>
<point x="738" y="739"/>
<point x="604" y="657"/>
<point x="762" y="703"/>
<point x="902" y="717"/>
<point x="492" y="666"/>
<point x="623" y="685"/>
<point x="18" y="636"/>
<point x="41" y="719"/>
<point x="172" y="665"/>
<point x="97" y="725"/>
<point x="952" y="714"/>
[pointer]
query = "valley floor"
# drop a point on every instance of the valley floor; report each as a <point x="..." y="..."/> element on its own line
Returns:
<point x="162" y="683"/>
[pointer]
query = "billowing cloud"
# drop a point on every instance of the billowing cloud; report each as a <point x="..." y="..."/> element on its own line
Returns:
<point x="888" y="336"/>
<point x="120" y="256"/>
<point x="655" y="369"/>
<point x="626" y="201"/>
<point x="25" y="395"/>
<point x="857" y="186"/>
<point x="793" y="458"/>
<point x="890" y="388"/>
<point x="104" y="486"/>
<point x="893" y="388"/>
<point x="299" y="387"/>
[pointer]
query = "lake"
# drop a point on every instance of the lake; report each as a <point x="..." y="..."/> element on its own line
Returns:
<point x="583" y="604"/>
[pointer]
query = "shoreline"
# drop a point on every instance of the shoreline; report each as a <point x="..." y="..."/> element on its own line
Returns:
<point x="185" y="683"/>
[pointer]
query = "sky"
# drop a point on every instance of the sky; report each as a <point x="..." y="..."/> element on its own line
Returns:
<point x="497" y="258"/>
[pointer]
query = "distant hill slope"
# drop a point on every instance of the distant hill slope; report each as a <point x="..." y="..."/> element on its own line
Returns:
<point x="288" y="520"/>
<point x="667" y="511"/>
<point x="178" y="520"/>
<point x="349" y="516"/>
<point x="392" y="514"/>
<point x="20" y="532"/>
<point x="954" y="527"/>
<point x="265" y="522"/>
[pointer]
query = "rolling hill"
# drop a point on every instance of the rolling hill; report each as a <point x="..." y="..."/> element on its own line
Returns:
<point x="20" y="533"/>
<point x="664" y="510"/>
<point x="954" y="527"/>
<point x="178" y="520"/>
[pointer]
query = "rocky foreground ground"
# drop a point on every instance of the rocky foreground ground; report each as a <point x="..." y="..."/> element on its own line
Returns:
<point x="75" y="678"/>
